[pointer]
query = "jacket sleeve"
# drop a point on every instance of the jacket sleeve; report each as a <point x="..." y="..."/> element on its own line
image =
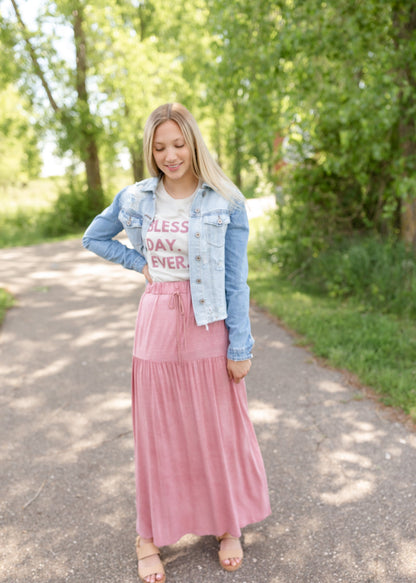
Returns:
<point x="237" y="292"/>
<point x="99" y="238"/>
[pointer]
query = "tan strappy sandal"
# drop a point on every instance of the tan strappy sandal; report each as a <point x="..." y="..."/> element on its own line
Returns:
<point x="155" y="566"/>
<point x="231" y="550"/>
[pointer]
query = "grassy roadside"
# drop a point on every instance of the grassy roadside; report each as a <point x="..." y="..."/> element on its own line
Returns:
<point x="379" y="348"/>
<point x="23" y="209"/>
<point x="6" y="302"/>
<point x="46" y="209"/>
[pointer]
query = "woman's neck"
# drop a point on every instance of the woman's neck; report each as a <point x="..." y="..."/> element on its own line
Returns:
<point x="180" y="188"/>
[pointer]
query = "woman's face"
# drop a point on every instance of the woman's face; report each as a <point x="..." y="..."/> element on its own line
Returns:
<point x="171" y="153"/>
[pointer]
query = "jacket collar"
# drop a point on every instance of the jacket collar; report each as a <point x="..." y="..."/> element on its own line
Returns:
<point x="150" y="185"/>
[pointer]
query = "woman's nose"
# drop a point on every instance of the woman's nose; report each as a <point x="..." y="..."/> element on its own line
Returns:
<point x="170" y="154"/>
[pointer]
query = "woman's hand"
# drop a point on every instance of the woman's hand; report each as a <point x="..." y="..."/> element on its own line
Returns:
<point x="238" y="369"/>
<point x="146" y="273"/>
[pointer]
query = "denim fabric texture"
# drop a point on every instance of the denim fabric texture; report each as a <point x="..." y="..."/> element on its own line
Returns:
<point x="218" y="268"/>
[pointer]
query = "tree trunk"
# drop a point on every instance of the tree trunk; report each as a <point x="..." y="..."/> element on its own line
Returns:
<point x="404" y="18"/>
<point x="89" y="149"/>
<point x="407" y="135"/>
<point x="218" y="141"/>
<point x="408" y="222"/>
<point x="238" y="140"/>
<point x="137" y="164"/>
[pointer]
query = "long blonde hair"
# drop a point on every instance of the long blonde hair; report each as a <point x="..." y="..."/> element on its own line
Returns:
<point x="203" y="164"/>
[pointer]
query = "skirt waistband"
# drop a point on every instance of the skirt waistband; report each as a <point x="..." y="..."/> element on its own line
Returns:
<point x="168" y="287"/>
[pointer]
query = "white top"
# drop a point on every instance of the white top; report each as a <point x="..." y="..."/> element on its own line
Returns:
<point x="167" y="237"/>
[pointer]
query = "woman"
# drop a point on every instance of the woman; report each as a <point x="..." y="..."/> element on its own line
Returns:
<point x="198" y="465"/>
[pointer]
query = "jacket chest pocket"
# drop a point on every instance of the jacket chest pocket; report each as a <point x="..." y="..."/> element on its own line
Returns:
<point x="133" y="227"/>
<point x="215" y="227"/>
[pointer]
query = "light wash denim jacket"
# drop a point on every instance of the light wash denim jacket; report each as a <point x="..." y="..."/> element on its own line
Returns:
<point x="218" y="234"/>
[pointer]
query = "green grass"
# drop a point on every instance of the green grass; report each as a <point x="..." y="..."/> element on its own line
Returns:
<point x="38" y="194"/>
<point x="379" y="348"/>
<point x="36" y="212"/>
<point x="22" y="209"/>
<point x="6" y="302"/>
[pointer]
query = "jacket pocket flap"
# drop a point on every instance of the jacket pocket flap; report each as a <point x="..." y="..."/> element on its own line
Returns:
<point x="129" y="220"/>
<point x="217" y="220"/>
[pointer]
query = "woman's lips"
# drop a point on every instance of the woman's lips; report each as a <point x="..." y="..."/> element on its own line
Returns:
<point x="173" y="168"/>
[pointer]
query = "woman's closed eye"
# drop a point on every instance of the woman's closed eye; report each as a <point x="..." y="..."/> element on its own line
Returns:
<point x="176" y="146"/>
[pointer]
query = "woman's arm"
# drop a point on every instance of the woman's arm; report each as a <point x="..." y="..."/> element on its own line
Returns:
<point x="99" y="238"/>
<point x="237" y="291"/>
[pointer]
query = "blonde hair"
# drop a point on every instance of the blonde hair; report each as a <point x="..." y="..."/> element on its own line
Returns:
<point x="203" y="164"/>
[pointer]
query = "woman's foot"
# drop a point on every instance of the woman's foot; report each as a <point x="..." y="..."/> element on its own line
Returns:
<point x="230" y="553"/>
<point x="150" y="566"/>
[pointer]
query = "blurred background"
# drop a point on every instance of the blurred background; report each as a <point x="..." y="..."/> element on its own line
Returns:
<point x="314" y="101"/>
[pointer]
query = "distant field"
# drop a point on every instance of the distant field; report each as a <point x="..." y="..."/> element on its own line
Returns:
<point x="37" y="195"/>
<point x="26" y="210"/>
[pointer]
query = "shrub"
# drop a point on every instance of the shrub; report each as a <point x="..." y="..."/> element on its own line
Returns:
<point x="379" y="274"/>
<point x="70" y="212"/>
<point x="376" y="273"/>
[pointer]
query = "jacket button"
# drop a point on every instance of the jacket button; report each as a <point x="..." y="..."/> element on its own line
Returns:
<point x="129" y="222"/>
<point x="219" y="221"/>
<point x="202" y="301"/>
<point x="199" y="280"/>
<point x="198" y="258"/>
<point x="197" y="235"/>
<point x="197" y="211"/>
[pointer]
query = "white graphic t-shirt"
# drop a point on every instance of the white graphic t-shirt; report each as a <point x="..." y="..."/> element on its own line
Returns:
<point x="167" y="237"/>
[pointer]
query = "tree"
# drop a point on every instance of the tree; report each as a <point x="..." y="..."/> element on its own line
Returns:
<point x="78" y="122"/>
<point x="351" y="92"/>
<point x="158" y="57"/>
<point x="19" y="154"/>
<point x="404" y="36"/>
<point x="87" y="124"/>
<point x="243" y="81"/>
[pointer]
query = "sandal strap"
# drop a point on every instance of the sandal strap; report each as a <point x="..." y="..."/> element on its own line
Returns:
<point x="152" y="569"/>
<point x="226" y="535"/>
<point x="147" y="550"/>
<point x="156" y="566"/>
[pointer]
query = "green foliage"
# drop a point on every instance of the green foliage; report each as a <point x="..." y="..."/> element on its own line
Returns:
<point x="370" y="272"/>
<point x="336" y="80"/>
<point x="378" y="275"/>
<point x="19" y="155"/>
<point x="43" y="209"/>
<point x="6" y="302"/>
<point x="380" y="348"/>
<point x="352" y="102"/>
<point x="71" y="211"/>
<point x="243" y="80"/>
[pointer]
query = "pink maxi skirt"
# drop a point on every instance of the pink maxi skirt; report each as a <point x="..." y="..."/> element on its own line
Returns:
<point x="198" y="465"/>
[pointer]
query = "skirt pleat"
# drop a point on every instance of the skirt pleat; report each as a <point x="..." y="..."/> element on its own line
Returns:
<point x="198" y="464"/>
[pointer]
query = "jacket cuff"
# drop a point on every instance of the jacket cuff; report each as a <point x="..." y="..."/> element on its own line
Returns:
<point x="238" y="354"/>
<point x="139" y="264"/>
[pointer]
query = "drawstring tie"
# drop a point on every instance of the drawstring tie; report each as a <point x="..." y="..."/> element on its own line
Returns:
<point x="176" y="303"/>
